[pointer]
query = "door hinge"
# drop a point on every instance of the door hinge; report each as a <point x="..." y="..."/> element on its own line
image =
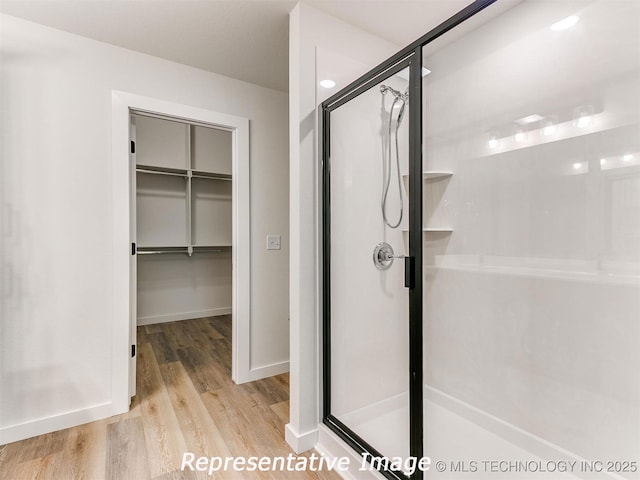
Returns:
<point x="133" y="146"/>
<point x="133" y="248"/>
<point x="133" y="351"/>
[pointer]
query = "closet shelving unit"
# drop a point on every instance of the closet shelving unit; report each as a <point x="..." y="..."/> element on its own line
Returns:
<point x="183" y="189"/>
<point x="183" y="219"/>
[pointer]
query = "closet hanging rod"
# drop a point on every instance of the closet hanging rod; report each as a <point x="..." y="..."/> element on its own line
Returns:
<point x="156" y="252"/>
<point x="195" y="250"/>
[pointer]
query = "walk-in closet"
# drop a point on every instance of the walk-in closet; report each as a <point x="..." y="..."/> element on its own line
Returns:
<point x="183" y="224"/>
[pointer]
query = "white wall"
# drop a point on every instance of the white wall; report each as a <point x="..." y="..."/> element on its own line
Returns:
<point x="57" y="253"/>
<point x="310" y="30"/>
<point x="177" y="286"/>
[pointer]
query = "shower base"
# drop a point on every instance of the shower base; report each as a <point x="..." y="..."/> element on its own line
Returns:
<point x="472" y="445"/>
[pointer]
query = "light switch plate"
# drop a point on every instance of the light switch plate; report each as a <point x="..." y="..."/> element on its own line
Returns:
<point x="273" y="242"/>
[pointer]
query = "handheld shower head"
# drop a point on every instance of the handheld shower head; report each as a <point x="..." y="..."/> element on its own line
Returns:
<point x="398" y="106"/>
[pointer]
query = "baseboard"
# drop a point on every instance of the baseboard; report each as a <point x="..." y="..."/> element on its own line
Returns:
<point x="300" y="442"/>
<point x="14" y="433"/>
<point x="259" y="373"/>
<point x="174" y="317"/>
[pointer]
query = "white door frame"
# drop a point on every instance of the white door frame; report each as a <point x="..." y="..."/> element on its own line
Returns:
<point x="123" y="317"/>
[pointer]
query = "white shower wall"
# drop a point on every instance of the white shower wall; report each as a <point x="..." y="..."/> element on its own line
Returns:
<point x="532" y="303"/>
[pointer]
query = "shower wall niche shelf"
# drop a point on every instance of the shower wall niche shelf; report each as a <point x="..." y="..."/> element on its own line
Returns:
<point x="431" y="174"/>
<point x="433" y="230"/>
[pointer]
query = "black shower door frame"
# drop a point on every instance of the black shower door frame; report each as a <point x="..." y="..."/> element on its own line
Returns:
<point x="411" y="57"/>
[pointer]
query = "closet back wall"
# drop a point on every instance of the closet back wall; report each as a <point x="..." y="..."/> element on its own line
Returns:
<point x="56" y="250"/>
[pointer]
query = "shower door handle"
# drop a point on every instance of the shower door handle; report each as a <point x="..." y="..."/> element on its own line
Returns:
<point x="409" y="272"/>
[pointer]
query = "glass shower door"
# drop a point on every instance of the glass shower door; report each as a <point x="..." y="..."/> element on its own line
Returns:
<point x="366" y="302"/>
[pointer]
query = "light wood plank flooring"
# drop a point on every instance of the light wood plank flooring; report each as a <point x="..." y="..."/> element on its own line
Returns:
<point x="185" y="402"/>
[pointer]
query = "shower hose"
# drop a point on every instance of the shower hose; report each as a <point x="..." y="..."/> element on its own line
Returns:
<point x="387" y="161"/>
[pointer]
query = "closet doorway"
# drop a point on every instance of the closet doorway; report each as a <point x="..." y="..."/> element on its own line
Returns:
<point x="188" y="223"/>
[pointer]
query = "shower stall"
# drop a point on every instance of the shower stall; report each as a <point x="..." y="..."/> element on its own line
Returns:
<point x="481" y="248"/>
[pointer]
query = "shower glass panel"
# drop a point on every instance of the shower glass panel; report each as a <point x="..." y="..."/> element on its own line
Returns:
<point x="531" y="247"/>
<point x="368" y="311"/>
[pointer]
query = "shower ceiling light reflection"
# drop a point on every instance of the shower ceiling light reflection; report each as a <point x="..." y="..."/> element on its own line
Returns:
<point x="627" y="160"/>
<point x="565" y="23"/>
<point x="536" y="129"/>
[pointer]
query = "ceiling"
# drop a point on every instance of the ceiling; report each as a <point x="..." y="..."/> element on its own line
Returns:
<point x="242" y="39"/>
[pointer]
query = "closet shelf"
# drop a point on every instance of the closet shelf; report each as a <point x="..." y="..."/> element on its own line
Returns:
<point x="161" y="170"/>
<point x="176" y="172"/>
<point x="210" y="176"/>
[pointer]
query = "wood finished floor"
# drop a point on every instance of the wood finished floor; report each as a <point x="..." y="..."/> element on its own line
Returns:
<point x="185" y="402"/>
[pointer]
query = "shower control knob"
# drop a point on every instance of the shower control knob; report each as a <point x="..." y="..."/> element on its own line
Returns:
<point x="383" y="256"/>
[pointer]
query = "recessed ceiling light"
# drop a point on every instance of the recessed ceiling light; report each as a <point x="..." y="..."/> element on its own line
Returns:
<point x="565" y="23"/>
<point x="327" y="83"/>
<point x="576" y="166"/>
<point x="628" y="157"/>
